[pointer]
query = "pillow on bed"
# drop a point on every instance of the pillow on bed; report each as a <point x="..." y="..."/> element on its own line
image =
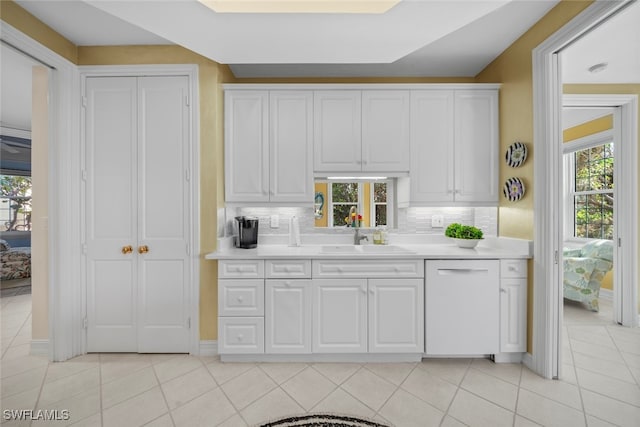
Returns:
<point x="4" y="246"/>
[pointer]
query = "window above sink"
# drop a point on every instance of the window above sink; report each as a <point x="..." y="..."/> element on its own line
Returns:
<point x="337" y="197"/>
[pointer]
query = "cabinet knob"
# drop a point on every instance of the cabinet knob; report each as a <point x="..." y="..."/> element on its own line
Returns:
<point x="512" y="268"/>
<point x="240" y="298"/>
<point x="127" y="249"/>
<point x="364" y="289"/>
<point x="287" y="283"/>
<point x="143" y="249"/>
<point x="503" y="290"/>
<point x="240" y="337"/>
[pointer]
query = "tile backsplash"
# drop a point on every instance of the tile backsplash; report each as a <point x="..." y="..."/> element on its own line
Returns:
<point x="409" y="220"/>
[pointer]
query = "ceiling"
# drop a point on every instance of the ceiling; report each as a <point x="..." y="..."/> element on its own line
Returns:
<point x="416" y="38"/>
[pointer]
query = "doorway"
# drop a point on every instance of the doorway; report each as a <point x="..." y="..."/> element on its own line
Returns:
<point x="548" y="309"/>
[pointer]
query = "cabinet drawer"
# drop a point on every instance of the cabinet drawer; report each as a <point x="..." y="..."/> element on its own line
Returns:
<point x="240" y="335"/>
<point x="368" y="268"/>
<point x="241" y="297"/>
<point x="513" y="268"/>
<point x="299" y="269"/>
<point x="241" y="269"/>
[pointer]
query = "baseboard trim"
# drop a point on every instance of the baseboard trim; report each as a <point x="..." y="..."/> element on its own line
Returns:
<point x="208" y="348"/>
<point x="606" y="294"/>
<point x="527" y="360"/>
<point x="39" y="348"/>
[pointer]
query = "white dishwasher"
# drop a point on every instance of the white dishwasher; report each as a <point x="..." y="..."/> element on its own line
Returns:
<point x="462" y="311"/>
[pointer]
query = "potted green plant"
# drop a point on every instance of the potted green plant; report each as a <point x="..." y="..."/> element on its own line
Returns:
<point x="465" y="236"/>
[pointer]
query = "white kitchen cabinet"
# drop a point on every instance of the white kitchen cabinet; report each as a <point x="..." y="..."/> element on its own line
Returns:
<point x="268" y="146"/>
<point x="361" y="131"/>
<point x="287" y="316"/>
<point x="291" y="148"/>
<point x="241" y="306"/>
<point x="337" y="127"/>
<point x="476" y="146"/>
<point x="385" y="131"/>
<point x="454" y="147"/>
<point x="246" y="146"/>
<point x="396" y="313"/>
<point x="339" y="315"/>
<point x="513" y="306"/>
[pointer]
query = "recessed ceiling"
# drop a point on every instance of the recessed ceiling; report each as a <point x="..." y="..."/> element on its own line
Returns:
<point x="616" y="42"/>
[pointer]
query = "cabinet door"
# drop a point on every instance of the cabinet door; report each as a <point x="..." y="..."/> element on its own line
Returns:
<point x="288" y="316"/>
<point x="513" y="315"/>
<point x="396" y="316"/>
<point x="432" y="139"/>
<point x="340" y="316"/>
<point x="337" y="131"/>
<point x="290" y="146"/>
<point x="476" y="146"/>
<point x="111" y="201"/>
<point x="385" y="131"/>
<point x="246" y="146"/>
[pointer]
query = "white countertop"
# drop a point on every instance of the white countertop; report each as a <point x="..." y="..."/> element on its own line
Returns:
<point x="410" y="247"/>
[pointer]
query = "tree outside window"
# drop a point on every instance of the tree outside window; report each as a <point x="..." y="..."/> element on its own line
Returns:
<point x="380" y="203"/>
<point x="593" y="192"/>
<point x="344" y="195"/>
<point x="15" y="202"/>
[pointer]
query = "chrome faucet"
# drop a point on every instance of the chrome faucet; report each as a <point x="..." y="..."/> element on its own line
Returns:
<point x="357" y="237"/>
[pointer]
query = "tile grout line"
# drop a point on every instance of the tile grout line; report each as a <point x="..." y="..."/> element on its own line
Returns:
<point x="100" y="378"/>
<point x="458" y="387"/>
<point x="575" y="371"/>
<point x="623" y="359"/>
<point x="166" y="402"/>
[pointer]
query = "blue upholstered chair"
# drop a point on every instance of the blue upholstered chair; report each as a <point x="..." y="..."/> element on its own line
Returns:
<point x="584" y="270"/>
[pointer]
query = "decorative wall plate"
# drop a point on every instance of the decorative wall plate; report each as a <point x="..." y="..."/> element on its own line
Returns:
<point x="516" y="154"/>
<point x="513" y="189"/>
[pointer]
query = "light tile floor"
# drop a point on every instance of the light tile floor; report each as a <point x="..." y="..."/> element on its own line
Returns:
<point x="601" y="373"/>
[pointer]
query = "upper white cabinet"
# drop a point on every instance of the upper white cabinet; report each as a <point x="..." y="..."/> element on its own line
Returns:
<point x="361" y="131"/>
<point x="246" y="148"/>
<point x="454" y="147"/>
<point x="268" y="146"/>
<point x="337" y="140"/>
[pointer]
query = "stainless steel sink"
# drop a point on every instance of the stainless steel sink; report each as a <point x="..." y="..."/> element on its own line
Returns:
<point x="364" y="249"/>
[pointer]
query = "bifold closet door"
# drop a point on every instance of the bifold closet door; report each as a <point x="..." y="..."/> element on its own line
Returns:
<point x="137" y="222"/>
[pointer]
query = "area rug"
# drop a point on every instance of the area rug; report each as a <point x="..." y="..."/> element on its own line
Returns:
<point x="322" y="420"/>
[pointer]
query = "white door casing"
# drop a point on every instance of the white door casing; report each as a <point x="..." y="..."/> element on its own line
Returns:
<point x="139" y="201"/>
<point x="547" y="103"/>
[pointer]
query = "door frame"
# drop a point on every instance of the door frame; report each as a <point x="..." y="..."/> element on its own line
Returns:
<point x="191" y="72"/>
<point x="547" y="105"/>
<point x="625" y="125"/>
<point x="63" y="200"/>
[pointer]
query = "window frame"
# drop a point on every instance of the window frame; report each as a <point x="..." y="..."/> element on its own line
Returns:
<point x="388" y="203"/>
<point x="330" y="203"/>
<point x="569" y="150"/>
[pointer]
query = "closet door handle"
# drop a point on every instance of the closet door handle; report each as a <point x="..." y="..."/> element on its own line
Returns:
<point x="143" y="249"/>
<point x="127" y="249"/>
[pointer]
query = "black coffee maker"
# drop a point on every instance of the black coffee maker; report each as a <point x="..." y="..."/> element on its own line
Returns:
<point x="247" y="232"/>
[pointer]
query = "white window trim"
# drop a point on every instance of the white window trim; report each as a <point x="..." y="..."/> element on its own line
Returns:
<point x="569" y="149"/>
<point x="389" y="203"/>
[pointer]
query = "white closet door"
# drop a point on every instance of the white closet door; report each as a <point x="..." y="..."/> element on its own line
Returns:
<point x="137" y="195"/>
<point x="111" y="223"/>
<point x="163" y="223"/>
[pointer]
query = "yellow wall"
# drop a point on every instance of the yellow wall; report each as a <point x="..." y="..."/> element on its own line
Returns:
<point x="513" y="69"/>
<point x="323" y="188"/>
<point x="589" y="128"/>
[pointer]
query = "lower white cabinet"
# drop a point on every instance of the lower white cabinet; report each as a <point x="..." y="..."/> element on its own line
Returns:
<point x="513" y="306"/>
<point x="340" y="315"/>
<point x="368" y="315"/>
<point x="287" y="316"/>
<point x="240" y="335"/>
<point x="396" y="315"/>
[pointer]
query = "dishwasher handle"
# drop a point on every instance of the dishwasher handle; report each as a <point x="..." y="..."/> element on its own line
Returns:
<point x="454" y="271"/>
